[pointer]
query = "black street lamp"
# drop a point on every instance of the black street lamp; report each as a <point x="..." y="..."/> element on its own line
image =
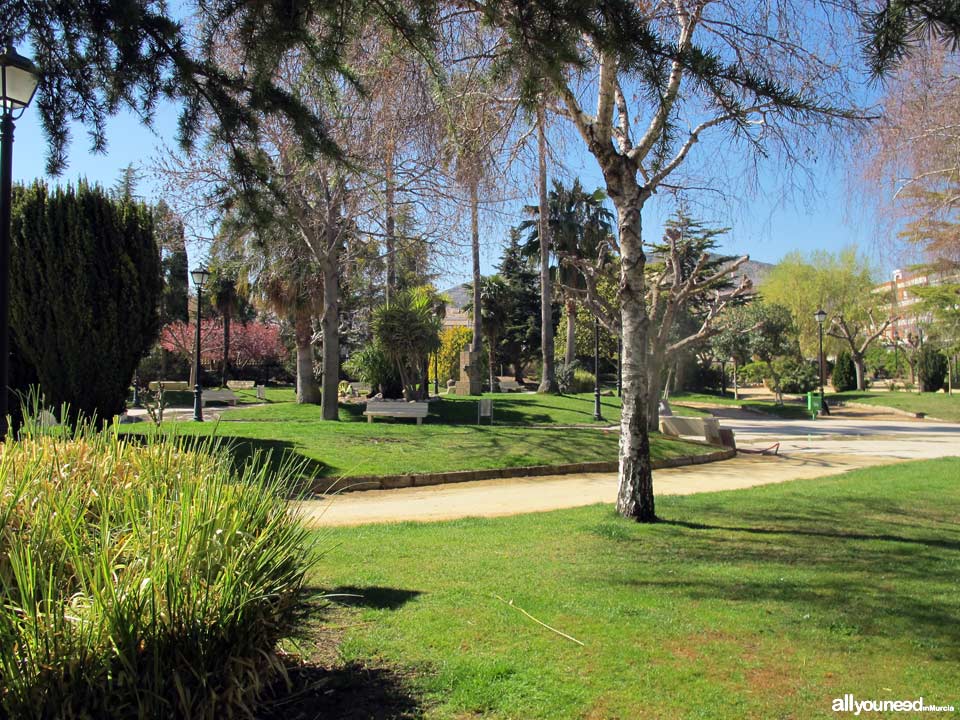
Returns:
<point x="200" y="276"/>
<point x="821" y="315"/>
<point x="896" y="354"/>
<point x="18" y="82"/>
<point x="596" y="370"/>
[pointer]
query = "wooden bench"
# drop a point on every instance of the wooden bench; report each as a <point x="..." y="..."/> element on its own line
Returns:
<point x="399" y="409"/>
<point x="219" y="396"/>
<point x="172" y="385"/>
<point x="241" y="384"/>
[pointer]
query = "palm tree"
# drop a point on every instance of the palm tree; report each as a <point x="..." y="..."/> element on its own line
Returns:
<point x="281" y="276"/>
<point x="408" y="330"/>
<point x="224" y="299"/>
<point x="579" y="225"/>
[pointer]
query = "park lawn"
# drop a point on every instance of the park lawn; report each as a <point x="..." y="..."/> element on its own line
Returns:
<point x="508" y="409"/>
<point x="938" y="405"/>
<point x="760" y="603"/>
<point x="794" y="408"/>
<point x="351" y="449"/>
<point x="184" y="398"/>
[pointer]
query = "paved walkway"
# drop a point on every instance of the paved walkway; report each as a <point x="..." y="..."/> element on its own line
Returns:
<point x="807" y="450"/>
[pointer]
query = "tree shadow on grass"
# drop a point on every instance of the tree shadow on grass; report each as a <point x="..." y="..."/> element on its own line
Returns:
<point x="372" y="596"/>
<point x="348" y="692"/>
<point x="508" y="410"/>
<point x="831" y="534"/>
<point x="858" y="566"/>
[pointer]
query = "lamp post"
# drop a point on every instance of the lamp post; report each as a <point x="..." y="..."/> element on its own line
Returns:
<point x="821" y="315"/>
<point x="596" y="370"/>
<point x="18" y="82"/>
<point x="896" y="354"/>
<point x="200" y="276"/>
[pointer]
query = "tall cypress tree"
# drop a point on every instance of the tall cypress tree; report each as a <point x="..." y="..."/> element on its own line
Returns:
<point x="84" y="291"/>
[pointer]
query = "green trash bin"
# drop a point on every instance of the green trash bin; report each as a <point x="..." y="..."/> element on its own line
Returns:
<point x="813" y="404"/>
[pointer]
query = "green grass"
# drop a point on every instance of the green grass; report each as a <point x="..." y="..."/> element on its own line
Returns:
<point x="508" y="409"/>
<point x="761" y="603"/>
<point x="792" y="409"/>
<point x="528" y="430"/>
<point x="938" y="405"/>
<point x="350" y="449"/>
<point x="184" y="398"/>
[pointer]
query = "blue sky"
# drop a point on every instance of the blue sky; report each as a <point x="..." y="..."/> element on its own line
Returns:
<point x="763" y="227"/>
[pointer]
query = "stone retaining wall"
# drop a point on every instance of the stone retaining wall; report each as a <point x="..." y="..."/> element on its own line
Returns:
<point x="390" y="482"/>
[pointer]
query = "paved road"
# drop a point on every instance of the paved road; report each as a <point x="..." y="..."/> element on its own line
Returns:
<point x="808" y="449"/>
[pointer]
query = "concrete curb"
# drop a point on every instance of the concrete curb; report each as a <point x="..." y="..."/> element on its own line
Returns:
<point x="391" y="482"/>
<point x="892" y="410"/>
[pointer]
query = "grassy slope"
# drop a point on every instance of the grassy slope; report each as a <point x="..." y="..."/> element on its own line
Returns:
<point x="761" y="603"/>
<point x="450" y="439"/>
<point x="945" y="407"/>
<point x="792" y="409"/>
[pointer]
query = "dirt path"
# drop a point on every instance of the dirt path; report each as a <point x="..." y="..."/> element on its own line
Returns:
<point x="808" y="449"/>
<point x="513" y="496"/>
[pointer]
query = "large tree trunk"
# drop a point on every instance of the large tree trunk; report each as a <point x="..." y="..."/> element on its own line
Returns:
<point x="654" y="390"/>
<point x="307" y="389"/>
<point x="476" y="343"/>
<point x="330" y="324"/>
<point x="635" y="491"/>
<point x="492" y="354"/>
<point x="225" y="369"/>
<point x="571" y="353"/>
<point x="548" y="381"/>
<point x="859" y="365"/>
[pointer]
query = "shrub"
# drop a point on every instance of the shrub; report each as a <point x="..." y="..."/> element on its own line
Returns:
<point x="141" y="579"/>
<point x="371" y="365"/>
<point x="844" y="373"/>
<point x="408" y="332"/>
<point x="583" y="380"/>
<point x="453" y="341"/>
<point x="797" y="376"/>
<point x="85" y="282"/>
<point x="564" y="375"/>
<point x="931" y="369"/>
<point x="753" y="373"/>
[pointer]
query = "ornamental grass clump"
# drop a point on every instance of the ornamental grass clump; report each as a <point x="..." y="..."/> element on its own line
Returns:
<point x="141" y="579"/>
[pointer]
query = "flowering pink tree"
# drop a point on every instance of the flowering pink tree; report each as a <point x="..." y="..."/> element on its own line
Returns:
<point x="179" y="338"/>
<point x="256" y="343"/>
<point x="252" y="344"/>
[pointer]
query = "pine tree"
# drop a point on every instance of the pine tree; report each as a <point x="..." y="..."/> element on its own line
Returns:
<point x="520" y="338"/>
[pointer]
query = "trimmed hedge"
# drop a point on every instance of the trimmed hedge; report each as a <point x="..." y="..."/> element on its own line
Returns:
<point x="85" y="282"/>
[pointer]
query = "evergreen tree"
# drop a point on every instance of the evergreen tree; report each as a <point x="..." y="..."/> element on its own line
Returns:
<point x="174" y="265"/>
<point x="125" y="188"/>
<point x="520" y="337"/>
<point x="84" y="292"/>
<point x="931" y="369"/>
<point x="844" y="376"/>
